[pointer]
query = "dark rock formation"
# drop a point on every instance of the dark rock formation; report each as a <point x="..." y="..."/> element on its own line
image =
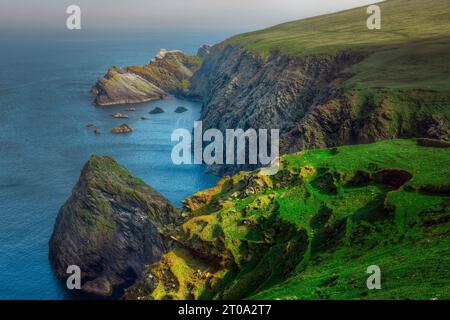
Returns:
<point x="436" y="128"/>
<point x="180" y="110"/>
<point x="157" y="110"/>
<point x="433" y="143"/>
<point x="110" y="227"/>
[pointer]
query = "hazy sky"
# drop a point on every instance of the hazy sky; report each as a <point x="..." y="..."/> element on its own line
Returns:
<point x="166" y="14"/>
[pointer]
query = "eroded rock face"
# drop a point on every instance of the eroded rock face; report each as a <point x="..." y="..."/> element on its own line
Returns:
<point x="119" y="86"/>
<point x="240" y="89"/>
<point x="306" y="98"/>
<point x="111" y="227"/>
<point x="168" y="73"/>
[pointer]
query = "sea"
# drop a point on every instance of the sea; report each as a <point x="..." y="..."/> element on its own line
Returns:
<point x="45" y="107"/>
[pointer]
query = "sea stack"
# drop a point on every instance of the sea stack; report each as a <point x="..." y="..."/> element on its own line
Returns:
<point x="110" y="228"/>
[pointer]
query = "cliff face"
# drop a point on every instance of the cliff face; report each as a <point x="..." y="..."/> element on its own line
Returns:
<point x="111" y="227"/>
<point x="240" y="89"/>
<point x="168" y="73"/>
<point x="313" y="99"/>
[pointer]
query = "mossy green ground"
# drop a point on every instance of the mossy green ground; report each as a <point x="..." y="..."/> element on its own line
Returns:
<point x="311" y="231"/>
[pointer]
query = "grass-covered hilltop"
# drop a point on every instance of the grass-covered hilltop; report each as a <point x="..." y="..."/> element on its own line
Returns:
<point x="312" y="230"/>
<point x="330" y="81"/>
<point x="410" y="51"/>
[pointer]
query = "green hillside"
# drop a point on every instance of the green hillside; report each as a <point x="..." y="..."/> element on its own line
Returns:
<point x="403" y="21"/>
<point x="411" y="50"/>
<point x="311" y="231"/>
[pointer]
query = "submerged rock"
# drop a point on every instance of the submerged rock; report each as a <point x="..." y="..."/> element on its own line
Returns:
<point x="157" y="110"/>
<point x="120" y="115"/>
<point x="110" y="228"/>
<point x="122" y="129"/>
<point x="181" y="110"/>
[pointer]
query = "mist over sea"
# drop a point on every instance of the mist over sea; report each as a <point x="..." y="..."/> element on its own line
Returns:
<point x="45" y="106"/>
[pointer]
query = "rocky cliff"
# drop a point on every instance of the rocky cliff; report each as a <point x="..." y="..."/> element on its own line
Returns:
<point x="111" y="227"/>
<point x="324" y="88"/>
<point x="168" y="73"/>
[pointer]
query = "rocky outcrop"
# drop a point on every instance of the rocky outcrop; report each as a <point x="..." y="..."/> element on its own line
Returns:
<point x="119" y="86"/>
<point x="181" y="110"/>
<point x="168" y="73"/>
<point x="122" y="129"/>
<point x="156" y="110"/>
<point x="204" y="50"/>
<point x="111" y="227"/>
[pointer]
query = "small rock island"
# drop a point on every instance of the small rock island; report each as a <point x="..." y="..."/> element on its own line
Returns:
<point x="157" y="110"/>
<point x="181" y="110"/>
<point x="122" y="129"/>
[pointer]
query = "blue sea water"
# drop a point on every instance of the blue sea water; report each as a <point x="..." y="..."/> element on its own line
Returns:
<point x="44" y="141"/>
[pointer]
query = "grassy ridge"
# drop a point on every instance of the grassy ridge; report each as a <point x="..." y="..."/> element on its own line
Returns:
<point x="411" y="50"/>
<point x="311" y="231"/>
<point x="403" y="21"/>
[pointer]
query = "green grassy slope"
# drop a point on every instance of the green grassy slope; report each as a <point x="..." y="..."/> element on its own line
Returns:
<point x="411" y="50"/>
<point x="311" y="231"/>
<point x="403" y="21"/>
